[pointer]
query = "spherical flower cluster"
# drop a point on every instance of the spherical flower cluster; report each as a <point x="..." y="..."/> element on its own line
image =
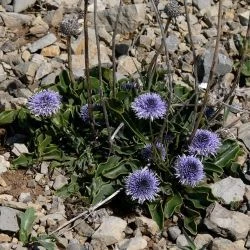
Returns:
<point x="172" y="9"/>
<point x="149" y="105"/>
<point x="70" y="26"/>
<point x="204" y="143"/>
<point x="129" y="86"/>
<point x="147" y="151"/>
<point x="142" y="185"/>
<point x="189" y="170"/>
<point x="44" y="103"/>
<point x="84" y="113"/>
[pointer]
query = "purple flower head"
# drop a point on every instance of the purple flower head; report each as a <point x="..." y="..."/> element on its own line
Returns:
<point x="204" y="143"/>
<point x="44" y="103"/>
<point x="84" y="113"/>
<point x="149" y="105"/>
<point x="147" y="151"/>
<point x="142" y="185"/>
<point x="189" y="170"/>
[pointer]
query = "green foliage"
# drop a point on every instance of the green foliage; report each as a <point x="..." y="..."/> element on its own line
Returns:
<point x="98" y="167"/>
<point x="27" y="221"/>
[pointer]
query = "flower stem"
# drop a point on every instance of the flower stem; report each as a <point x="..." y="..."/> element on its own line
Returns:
<point x="71" y="75"/>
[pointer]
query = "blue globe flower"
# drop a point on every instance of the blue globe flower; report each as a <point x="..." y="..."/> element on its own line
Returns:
<point x="189" y="170"/>
<point x="84" y="113"/>
<point x="142" y="185"/>
<point x="149" y="106"/>
<point x="204" y="143"/>
<point x="147" y="151"/>
<point x="44" y="103"/>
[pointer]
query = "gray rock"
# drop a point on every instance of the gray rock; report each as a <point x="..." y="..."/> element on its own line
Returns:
<point x="174" y="232"/>
<point x="3" y="74"/>
<point x="20" y="6"/>
<point x="60" y="181"/>
<point x="172" y="43"/>
<point x="49" y="79"/>
<point x="19" y="148"/>
<point x="224" y="64"/>
<point x="244" y="134"/>
<point x="127" y="65"/>
<point x="25" y="197"/>
<point x="15" y="20"/>
<point x="148" y="225"/>
<point x="97" y="244"/>
<point x="8" y="219"/>
<point x="111" y="230"/>
<point x="74" y="246"/>
<point x="181" y="241"/>
<point x="227" y="223"/>
<point x="24" y="92"/>
<point x="42" y="42"/>
<point x="202" y="241"/>
<point x="136" y="243"/>
<point x="131" y="17"/>
<point x="44" y="169"/>
<point x="83" y="228"/>
<point x="202" y="4"/>
<point x="244" y="17"/>
<point x="229" y="190"/>
<point x="43" y="70"/>
<point x="4" y="164"/>
<point x="225" y="244"/>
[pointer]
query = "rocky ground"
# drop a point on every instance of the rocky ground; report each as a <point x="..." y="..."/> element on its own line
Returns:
<point x="32" y="54"/>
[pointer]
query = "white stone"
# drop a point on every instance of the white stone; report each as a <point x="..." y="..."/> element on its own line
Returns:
<point x="19" y="6"/>
<point x="42" y="42"/>
<point x="229" y="190"/>
<point x="4" y="165"/>
<point x="25" y="197"/>
<point x="128" y="65"/>
<point x="226" y="222"/>
<point x="225" y="244"/>
<point x="136" y="243"/>
<point x="111" y="230"/>
<point x="19" y="149"/>
<point x="151" y="225"/>
<point x="60" y="181"/>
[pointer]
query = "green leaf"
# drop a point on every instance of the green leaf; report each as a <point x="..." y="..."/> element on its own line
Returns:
<point x="189" y="240"/>
<point x="109" y="164"/>
<point x="211" y="169"/>
<point x="101" y="190"/>
<point x="43" y="142"/>
<point x="46" y="241"/>
<point x="191" y="220"/>
<point x="116" y="106"/>
<point x="246" y="68"/>
<point x="94" y="83"/>
<point x="8" y="116"/>
<point x="228" y="152"/>
<point x="69" y="189"/>
<point x="116" y="171"/>
<point x="173" y="205"/>
<point x="27" y="220"/>
<point x="156" y="212"/>
<point x="24" y="160"/>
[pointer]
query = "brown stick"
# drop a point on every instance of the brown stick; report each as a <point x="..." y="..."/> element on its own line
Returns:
<point x="87" y="74"/>
<point x="212" y="71"/>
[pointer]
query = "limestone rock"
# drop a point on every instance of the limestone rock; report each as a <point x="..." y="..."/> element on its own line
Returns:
<point x="136" y="243"/>
<point x="20" y="6"/>
<point x="111" y="230"/>
<point x="149" y="224"/>
<point x="42" y="42"/>
<point x="128" y="65"/>
<point x="227" y="223"/>
<point x="8" y="219"/>
<point x="225" y="244"/>
<point x="229" y="190"/>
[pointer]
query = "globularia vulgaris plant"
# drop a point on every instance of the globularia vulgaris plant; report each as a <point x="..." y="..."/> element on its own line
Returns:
<point x="138" y="136"/>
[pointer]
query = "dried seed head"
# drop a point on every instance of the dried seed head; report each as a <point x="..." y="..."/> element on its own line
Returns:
<point x="172" y="9"/>
<point x="70" y="26"/>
